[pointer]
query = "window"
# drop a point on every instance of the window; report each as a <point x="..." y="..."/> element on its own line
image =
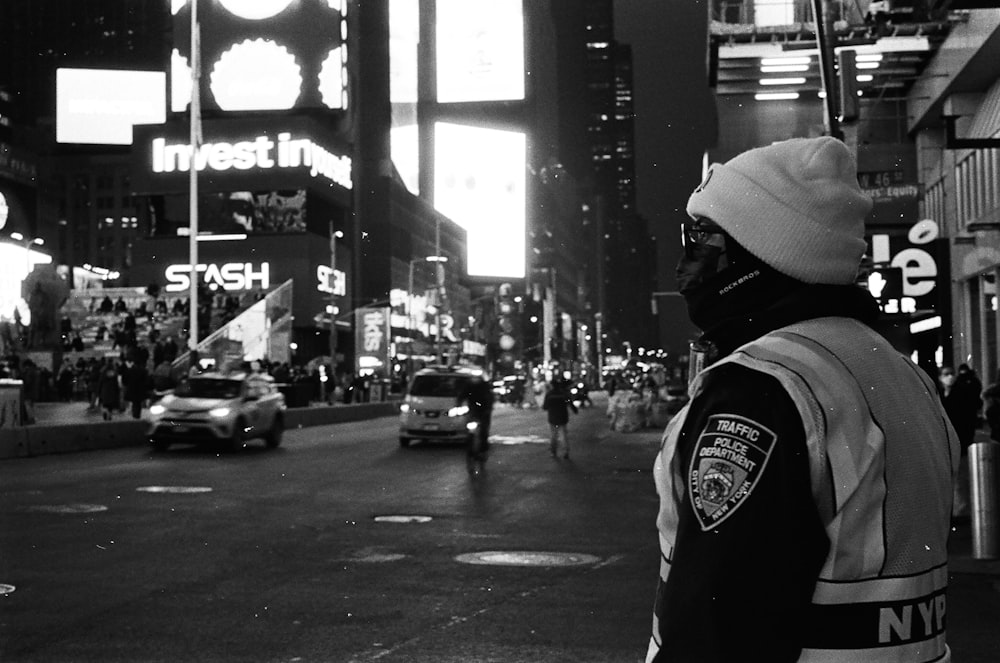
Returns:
<point x="773" y="12"/>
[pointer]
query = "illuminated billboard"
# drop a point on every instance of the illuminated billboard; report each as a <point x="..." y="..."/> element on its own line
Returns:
<point x="100" y="106"/>
<point x="234" y="266"/>
<point x="480" y="50"/>
<point x="479" y="182"/>
<point x="404" y="38"/>
<point x="262" y="55"/>
<point x="18" y="263"/>
<point x="240" y="155"/>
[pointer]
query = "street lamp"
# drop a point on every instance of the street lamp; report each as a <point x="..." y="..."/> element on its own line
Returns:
<point x="334" y="236"/>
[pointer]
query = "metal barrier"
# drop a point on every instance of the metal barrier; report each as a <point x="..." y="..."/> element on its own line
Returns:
<point x="983" y="494"/>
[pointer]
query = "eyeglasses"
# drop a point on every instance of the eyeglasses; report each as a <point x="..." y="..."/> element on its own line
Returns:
<point x="702" y="232"/>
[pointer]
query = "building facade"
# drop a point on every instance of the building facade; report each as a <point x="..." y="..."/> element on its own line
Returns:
<point x="955" y="122"/>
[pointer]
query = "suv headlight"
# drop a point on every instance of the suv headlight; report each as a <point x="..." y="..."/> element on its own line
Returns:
<point x="156" y="409"/>
<point x="219" y="412"/>
<point x="459" y="411"/>
<point x="404" y="408"/>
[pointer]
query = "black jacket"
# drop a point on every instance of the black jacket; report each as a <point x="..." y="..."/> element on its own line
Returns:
<point x="741" y="590"/>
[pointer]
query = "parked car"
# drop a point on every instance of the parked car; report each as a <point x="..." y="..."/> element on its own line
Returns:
<point x="228" y="408"/>
<point x="434" y="406"/>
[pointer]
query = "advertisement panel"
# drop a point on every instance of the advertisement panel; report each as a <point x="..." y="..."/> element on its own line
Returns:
<point x="254" y="262"/>
<point x="100" y="106"/>
<point x="241" y="155"/>
<point x="236" y="212"/>
<point x="480" y="50"/>
<point x="262" y="55"/>
<point x="371" y="340"/>
<point x="479" y="182"/>
<point x="921" y="259"/>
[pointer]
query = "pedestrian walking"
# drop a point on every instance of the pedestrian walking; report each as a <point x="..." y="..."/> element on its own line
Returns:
<point x="557" y="404"/>
<point x="31" y="389"/>
<point x="961" y="395"/>
<point x="135" y="383"/>
<point x="479" y="399"/>
<point x="805" y="491"/>
<point x="109" y="389"/>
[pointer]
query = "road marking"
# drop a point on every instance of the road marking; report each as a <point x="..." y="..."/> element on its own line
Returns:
<point x="67" y="508"/>
<point x="178" y="490"/>
<point x="527" y="558"/>
<point x="6" y="589"/>
<point x="511" y="440"/>
<point x="403" y="519"/>
<point x="373" y="556"/>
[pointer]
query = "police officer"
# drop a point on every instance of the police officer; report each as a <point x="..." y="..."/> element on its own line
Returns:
<point x="805" y="490"/>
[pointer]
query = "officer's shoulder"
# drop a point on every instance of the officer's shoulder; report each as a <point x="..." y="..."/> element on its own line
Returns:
<point x="739" y="376"/>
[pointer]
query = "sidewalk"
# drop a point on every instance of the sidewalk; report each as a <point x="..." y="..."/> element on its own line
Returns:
<point x="74" y="412"/>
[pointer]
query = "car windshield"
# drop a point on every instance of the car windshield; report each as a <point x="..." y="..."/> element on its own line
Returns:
<point x="439" y="385"/>
<point x="209" y="388"/>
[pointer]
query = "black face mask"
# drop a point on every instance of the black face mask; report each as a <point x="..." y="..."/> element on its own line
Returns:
<point x="721" y="286"/>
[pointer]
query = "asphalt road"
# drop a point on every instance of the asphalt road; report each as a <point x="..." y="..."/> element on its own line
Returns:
<point x="284" y="555"/>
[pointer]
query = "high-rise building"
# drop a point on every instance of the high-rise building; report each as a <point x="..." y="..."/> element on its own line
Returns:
<point x="42" y="35"/>
<point x="85" y="210"/>
<point x="596" y="84"/>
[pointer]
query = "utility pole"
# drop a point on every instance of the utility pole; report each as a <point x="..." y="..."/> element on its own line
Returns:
<point x="195" y="139"/>
<point x="824" y="25"/>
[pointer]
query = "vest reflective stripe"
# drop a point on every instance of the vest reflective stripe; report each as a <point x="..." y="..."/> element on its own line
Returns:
<point x="666" y="521"/>
<point x="930" y="651"/>
<point x="898" y="588"/>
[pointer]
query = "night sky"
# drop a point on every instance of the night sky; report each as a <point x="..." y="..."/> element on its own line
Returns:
<point x="675" y="124"/>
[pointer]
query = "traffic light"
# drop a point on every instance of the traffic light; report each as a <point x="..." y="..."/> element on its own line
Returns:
<point x="508" y="324"/>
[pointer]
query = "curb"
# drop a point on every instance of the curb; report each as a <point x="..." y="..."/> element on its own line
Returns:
<point x="89" y="436"/>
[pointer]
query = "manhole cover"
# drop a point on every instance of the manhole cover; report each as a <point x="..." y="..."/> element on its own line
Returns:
<point x="67" y="508"/>
<point x="403" y="519"/>
<point x="527" y="558"/>
<point x="179" y="490"/>
<point x="6" y="589"/>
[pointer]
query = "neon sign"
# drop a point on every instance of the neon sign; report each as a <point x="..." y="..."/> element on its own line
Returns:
<point x="229" y="276"/>
<point x="331" y="281"/>
<point x="261" y="152"/>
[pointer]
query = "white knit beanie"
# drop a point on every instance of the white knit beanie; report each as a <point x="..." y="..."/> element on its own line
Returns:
<point x="796" y="205"/>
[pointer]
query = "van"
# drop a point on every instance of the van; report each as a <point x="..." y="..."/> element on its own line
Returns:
<point x="435" y="406"/>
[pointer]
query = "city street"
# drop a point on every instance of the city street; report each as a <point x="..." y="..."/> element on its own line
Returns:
<point x="279" y="556"/>
<point x="341" y="546"/>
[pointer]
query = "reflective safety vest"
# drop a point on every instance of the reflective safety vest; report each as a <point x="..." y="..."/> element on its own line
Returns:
<point x="882" y="457"/>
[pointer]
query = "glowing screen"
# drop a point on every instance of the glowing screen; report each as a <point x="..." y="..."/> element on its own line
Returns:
<point x="99" y="106"/>
<point x="479" y="182"/>
<point x="17" y="262"/>
<point x="480" y="50"/>
<point x="404" y="144"/>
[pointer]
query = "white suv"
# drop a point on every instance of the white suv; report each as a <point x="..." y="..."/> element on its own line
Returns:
<point x="434" y="407"/>
<point x="219" y="407"/>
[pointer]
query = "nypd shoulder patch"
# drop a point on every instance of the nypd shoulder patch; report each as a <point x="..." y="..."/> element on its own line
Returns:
<point x="729" y="457"/>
